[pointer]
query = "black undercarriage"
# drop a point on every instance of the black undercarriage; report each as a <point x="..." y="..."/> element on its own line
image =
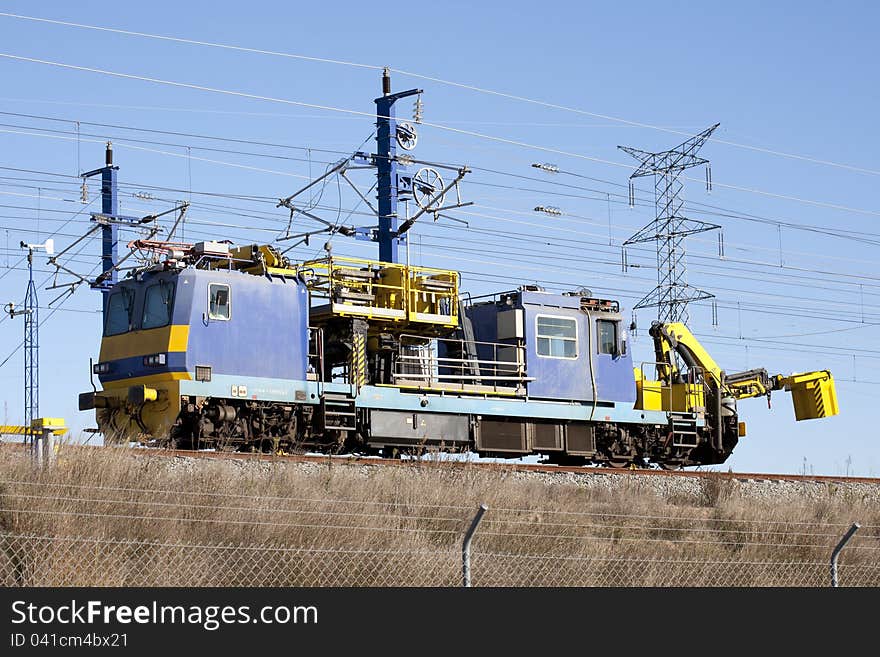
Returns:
<point x="335" y="426"/>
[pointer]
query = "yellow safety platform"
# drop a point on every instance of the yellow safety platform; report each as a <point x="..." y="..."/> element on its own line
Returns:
<point x="813" y="394"/>
<point x="40" y="426"/>
<point x="384" y="291"/>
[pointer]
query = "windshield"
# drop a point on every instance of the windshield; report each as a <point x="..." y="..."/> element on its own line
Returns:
<point x="157" y="305"/>
<point x="119" y="307"/>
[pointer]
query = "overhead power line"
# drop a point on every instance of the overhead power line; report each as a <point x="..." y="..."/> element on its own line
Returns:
<point x="470" y="133"/>
<point x="451" y="83"/>
<point x="553" y="243"/>
<point x="271" y="217"/>
<point x="838" y="233"/>
<point x="286" y="101"/>
<point x="192" y="41"/>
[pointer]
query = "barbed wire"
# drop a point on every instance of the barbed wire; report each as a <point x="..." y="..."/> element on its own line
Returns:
<point x="391" y="516"/>
<point x="389" y="503"/>
<point x="428" y="530"/>
<point x="227" y="521"/>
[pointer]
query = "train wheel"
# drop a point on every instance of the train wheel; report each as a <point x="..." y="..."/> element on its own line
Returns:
<point x="670" y="466"/>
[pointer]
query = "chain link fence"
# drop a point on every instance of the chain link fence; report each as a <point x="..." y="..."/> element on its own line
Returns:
<point x="112" y="519"/>
<point x="51" y="561"/>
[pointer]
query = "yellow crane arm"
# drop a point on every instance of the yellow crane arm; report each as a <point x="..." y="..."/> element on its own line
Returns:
<point x="675" y="336"/>
<point x="813" y="393"/>
<point x="752" y="383"/>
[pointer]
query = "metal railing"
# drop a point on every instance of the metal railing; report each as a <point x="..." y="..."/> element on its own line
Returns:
<point x="445" y="363"/>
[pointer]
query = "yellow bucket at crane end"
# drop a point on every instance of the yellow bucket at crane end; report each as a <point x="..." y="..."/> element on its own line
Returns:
<point x="813" y="395"/>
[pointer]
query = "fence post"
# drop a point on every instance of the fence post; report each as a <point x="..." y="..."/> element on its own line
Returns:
<point x="51" y="442"/>
<point x="834" y="555"/>
<point x="466" y="546"/>
<point x="37" y="443"/>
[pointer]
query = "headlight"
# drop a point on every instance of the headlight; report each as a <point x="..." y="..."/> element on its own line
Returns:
<point x="101" y="368"/>
<point x="155" y="360"/>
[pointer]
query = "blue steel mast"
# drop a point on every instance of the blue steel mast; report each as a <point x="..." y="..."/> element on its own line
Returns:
<point x="425" y="188"/>
<point x="387" y="168"/>
<point x="109" y="228"/>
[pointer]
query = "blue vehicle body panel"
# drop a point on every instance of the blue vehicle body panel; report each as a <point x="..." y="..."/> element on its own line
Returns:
<point x="381" y="397"/>
<point x="255" y="387"/>
<point x="128" y="368"/>
<point x="561" y="378"/>
<point x="614" y="377"/>
<point x="557" y="378"/>
<point x="252" y="342"/>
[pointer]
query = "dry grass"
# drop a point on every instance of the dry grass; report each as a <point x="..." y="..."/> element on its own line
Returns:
<point x="205" y="522"/>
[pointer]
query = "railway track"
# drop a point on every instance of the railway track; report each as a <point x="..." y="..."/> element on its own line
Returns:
<point x="513" y="467"/>
<point x="586" y="471"/>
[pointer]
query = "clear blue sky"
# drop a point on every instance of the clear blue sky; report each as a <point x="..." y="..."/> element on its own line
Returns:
<point x="796" y="78"/>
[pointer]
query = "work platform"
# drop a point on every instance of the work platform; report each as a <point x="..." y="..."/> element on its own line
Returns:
<point x="382" y="291"/>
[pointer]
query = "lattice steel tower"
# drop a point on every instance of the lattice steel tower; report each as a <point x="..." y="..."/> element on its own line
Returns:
<point x="669" y="228"/>
<point x="31" y="312"/>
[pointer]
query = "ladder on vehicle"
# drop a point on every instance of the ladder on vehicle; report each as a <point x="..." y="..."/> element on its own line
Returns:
<point x="683" y="428"/>
<point x="338" y="412"/>
<point x="468" y="345"/>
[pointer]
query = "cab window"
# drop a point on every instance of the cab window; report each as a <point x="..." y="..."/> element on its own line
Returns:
<point x="557" y="336"/>
<point x="607" y="336"/>
<point x="119" y="310"/>
<point x="158" y="301"/>
<point x="218" y="301"/>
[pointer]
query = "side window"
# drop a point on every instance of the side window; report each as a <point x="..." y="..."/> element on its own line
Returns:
<point x="218" y="301"/>
<point x="557" y="336"/>
<point x="119" y="309"/>
<point x="158" y="301"/>
<point x="607" y="331"/>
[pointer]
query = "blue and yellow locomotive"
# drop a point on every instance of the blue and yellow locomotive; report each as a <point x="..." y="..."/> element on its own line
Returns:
<point x="238" y="348"/>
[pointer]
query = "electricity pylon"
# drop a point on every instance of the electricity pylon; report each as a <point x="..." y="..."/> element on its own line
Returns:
<point x="670" y="227"/>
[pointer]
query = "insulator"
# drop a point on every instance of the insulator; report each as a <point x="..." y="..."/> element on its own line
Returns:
<point x="632" y="195"/>
<point x="84" y="192"/>
<point x="418" y="109"/>
<point x="708" y="178"/>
